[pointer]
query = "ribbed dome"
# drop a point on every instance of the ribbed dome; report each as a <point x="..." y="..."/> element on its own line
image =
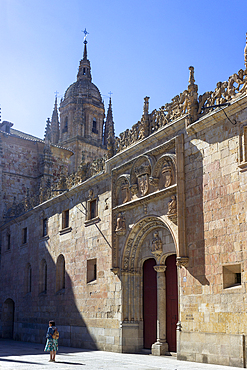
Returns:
<point x="83" y="88"/>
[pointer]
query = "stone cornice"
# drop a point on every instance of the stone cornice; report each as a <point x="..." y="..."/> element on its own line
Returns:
<point x="147" y="198"/>
<point x="135" y="150"/>
<point x="218" y="115"/>
<point x="164" y="147"/>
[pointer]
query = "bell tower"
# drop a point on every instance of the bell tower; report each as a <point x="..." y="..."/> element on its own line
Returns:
<point x="82" y="116"/>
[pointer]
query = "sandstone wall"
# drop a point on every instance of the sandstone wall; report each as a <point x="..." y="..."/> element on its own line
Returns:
<point x="87" y="313"/>
<point x="212" y="303"/>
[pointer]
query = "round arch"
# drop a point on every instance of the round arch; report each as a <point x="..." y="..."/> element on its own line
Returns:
<point x="8" y="315"/>
<point x="130" y="256"/>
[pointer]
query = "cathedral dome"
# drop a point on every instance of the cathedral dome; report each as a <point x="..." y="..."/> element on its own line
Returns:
<point x="83" y="88"/>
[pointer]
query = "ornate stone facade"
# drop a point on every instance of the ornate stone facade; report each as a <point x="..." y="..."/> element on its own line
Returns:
<point x="163" y="221"/>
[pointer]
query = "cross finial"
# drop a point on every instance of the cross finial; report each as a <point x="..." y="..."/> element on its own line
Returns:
<point x="56" y="94"/>
<point x="110" y="93"/>
<point x="85" y="37"/>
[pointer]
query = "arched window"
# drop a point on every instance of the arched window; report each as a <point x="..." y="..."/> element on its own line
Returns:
<point x="28" y="278"/>
<point x="65" y="128"/>
<point x="60" y="273"/>
<point x="94" y="128"/>
<point x="43" y="276"/>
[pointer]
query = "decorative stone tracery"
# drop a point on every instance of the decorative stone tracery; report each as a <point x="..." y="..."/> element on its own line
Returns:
<point x="185" y="105"/>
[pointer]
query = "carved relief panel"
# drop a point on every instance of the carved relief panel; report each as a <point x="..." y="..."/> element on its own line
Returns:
<point x="122" y="189"/>
<point x="140" y="174"/>
<point x="164" y="172"/>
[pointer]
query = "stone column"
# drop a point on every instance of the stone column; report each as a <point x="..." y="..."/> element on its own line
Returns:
<point x="160" y="347"/>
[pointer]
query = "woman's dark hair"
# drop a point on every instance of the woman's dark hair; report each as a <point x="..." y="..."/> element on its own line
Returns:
<point x="52" y="323"/>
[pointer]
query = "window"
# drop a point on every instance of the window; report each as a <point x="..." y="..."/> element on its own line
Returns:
<point x="60" y="273"/>
<point x="24" y="235"/>
<point x="8" y="241"/>
<point x="43" y="276"/>
<point x="92" y="209"/>
<point x="91" y="270"/>
<point x="94" y="128"/>
<point x="45" y="229"/>
<point x="28" y="278"/>
<point x="231" y="276"/>
<point x="65" y="219"/>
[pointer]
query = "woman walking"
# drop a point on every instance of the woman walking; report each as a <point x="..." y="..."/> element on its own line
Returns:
<point x="52" y="336"/>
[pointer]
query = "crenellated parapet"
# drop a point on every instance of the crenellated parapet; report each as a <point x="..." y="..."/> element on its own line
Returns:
<point x="187" y="104"/>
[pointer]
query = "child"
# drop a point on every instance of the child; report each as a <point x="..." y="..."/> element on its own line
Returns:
<point x="51" y="343"/>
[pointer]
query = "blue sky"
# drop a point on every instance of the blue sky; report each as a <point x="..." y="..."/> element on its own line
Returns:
<point x="136" y="48"/>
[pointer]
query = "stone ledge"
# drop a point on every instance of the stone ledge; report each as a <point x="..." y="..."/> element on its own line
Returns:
<point x="65" y="230"/>
<point x="94" y="220"/>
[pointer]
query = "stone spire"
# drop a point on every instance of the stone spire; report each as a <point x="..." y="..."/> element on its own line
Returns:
<point x="144" y="126"/>
<point x="47" y="136"/>
<point x="109" y="135"/>
<point x="192" y="106"/>
<point x="55" y="124"/>
<point x="84" y="68"/>
<point x="85" y="50"/>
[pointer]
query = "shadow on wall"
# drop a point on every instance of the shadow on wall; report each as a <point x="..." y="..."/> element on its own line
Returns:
<point x="208" y="201"/>
<point x="46" y="294"/>
<point x="195" y="218"/>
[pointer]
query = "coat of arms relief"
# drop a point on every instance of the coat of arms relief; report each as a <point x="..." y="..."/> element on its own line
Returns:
<point x="142" y="174"/>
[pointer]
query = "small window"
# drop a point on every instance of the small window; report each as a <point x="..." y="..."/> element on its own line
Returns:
<point x="24" y="235"/>
<point x="94" y="128"/>
<point x="45" y="229"/>
<point x="60" y="273"/>
<point x="91" y="270"/>
<point x="65" y="219"/>
<point x="231" y="276"/>
<point x="92" y="209"/>
<point x="8" y="241"/>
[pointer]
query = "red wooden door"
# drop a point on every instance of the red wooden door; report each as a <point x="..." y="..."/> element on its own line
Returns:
<point x="171" y="302"/>
<point x="149" y="303"/>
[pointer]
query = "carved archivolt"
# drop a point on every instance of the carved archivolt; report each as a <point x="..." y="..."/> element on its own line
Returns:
<point x="130" y="257"/>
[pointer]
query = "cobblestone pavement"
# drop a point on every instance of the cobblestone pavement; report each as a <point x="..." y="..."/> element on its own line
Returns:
<point x="23" y="355"/>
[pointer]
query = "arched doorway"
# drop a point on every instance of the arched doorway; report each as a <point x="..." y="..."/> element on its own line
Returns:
<point x="171" y="302"/>
<point x="8" y="314"/>
<point x="151" y="241"/>
<point x="149" y="303"/>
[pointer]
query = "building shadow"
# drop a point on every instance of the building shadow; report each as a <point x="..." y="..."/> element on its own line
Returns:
<point x="208" y="199"/>
<point x="26" y="312"/>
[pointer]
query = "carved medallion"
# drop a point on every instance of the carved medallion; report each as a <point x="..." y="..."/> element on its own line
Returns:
<point x="143" y="184"/>
<point x="142" y="173"/>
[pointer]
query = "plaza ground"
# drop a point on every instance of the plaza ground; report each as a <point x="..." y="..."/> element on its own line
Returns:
<point x="23" y="355"/>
